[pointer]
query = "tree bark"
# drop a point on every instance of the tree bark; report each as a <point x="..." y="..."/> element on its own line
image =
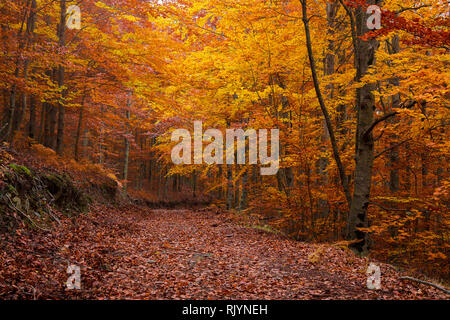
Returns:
<point x="194" y="184"/>
<point x="13" y="117"/>
<point x="244" y="191"/>
<point x="236" y="189"/>
<point x="80" y="124"/>
<point x="61" y="108"/>
<point x="127" y="152"/>
<point x="229" y="200"/>
<point x="32" y="120"/>
<point x="51" y="121"/>
<point x="394" y="181"/>
<point x="365" y="105"/>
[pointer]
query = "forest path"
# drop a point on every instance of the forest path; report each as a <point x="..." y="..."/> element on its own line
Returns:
<point x="142" y="253"/>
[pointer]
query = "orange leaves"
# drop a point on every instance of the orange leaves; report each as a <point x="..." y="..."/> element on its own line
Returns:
<point x="138" y="70"/>
<point x="137" y="253"/>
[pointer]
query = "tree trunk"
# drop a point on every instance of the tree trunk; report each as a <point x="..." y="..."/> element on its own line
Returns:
<point x="244" y="191"/>
<point x="394" y="181"/>
<point x="229" y="200"/>
<point x="337" y="157"/>
<point x="194" y="184"/>
<point x="23" y="107"/>
<point x="42" y="123"/>
<point x="80" y="124"/>
<point x="329" y="69"/>
<point x="32" y="123"/>
<point x="236" y="190"/>
<point x="50" y="126"/>
<point x="29" y="17"/>
<point x="220" y="178"/>
<point x="365" y="105"/>
<point x="61" y="108"/>
<point x="127" y="152"/>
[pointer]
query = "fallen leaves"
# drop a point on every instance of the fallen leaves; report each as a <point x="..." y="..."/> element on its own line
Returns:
<point x="139" y="253"/>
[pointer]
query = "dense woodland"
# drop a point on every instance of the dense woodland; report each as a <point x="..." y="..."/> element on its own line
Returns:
<point x="363" y="114"/>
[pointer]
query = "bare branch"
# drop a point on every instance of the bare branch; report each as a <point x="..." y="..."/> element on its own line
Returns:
<point x="428" y="283"/>
<point x="412" y="8"/>
<point x="383" y="118"/>
<point x="385" y="208"/>
<point x="390" y="148"/>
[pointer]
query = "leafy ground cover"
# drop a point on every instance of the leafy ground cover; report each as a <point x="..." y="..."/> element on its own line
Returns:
<point x="135" y="252"/>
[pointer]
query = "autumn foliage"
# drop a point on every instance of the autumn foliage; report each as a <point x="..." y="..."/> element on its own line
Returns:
<point x="107" y="97"/>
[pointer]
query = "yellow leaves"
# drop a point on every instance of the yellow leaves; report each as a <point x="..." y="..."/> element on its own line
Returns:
<point x="113" y="177"/>
<point x="316" y="256"/>
<point x="103" y="5"/>
<point x="395" y="199"/>
<point x="344" y="244"/>
<point x="198" y="6"/>
<point x="129" y="18"/>
<point x="205" y="20"/>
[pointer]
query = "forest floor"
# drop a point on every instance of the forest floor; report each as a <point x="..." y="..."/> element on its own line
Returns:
<point x="141" y="253"/>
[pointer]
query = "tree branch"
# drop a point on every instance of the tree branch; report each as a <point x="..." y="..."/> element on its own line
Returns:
<point x="428" y="283"/>
<point x="390" y="148"/>
<point x="412" y="8"/>
<point x="337" y="158"/>
<point x="383" y="118"/>
<point x="386" y="209"/>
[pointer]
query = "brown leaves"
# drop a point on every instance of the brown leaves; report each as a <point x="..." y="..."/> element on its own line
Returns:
<point x="136" y="253"/>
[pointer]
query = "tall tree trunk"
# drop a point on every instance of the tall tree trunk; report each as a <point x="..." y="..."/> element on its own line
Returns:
<point x="51" y="120"/>
<point x="244" y="191"/>
<point x="29" y="17"/>
<point x="220" y="178"/>
<point x="127" y="151"/>
<point x="80" y="124"/>
<point x="365" y="105"/>
<point x="23" y="107"/>
<point x="337" y="157"/>
<point x="229" y="199"/>
<point x="151" y="166"/>
<point x="175" y="183"/>
<point x="85" y="144"/>
<point x="61" y="108"/>
<point x="32" y="120"/>
<point x="31" y="23"/>
<point x="394" y="181"/>
<point x="166" y="184"/>
<point x="42" y="122"/>
<point x="236" y="189"/>
<point x="329" y="69"/>
<point x="160" y="177"/>
<point x="12" y="108"/>
<point x="194" y="184"/>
